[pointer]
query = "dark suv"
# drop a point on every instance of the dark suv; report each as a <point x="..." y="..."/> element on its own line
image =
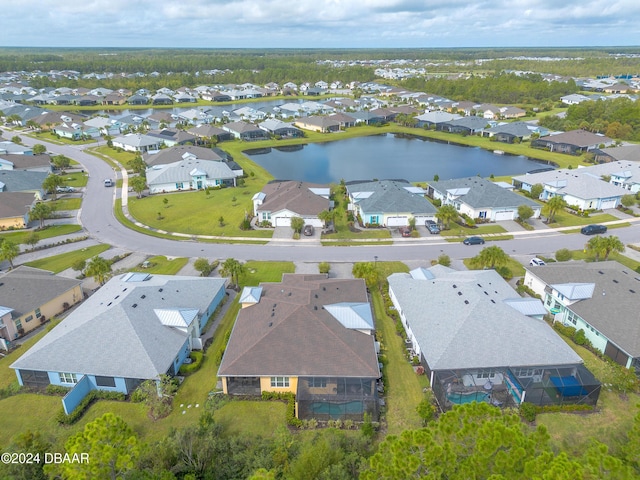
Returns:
<point x="432" y="226"/>
<point x="593" y="229"/>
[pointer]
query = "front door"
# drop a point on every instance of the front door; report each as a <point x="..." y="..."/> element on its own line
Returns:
<point x="199" y="185"/>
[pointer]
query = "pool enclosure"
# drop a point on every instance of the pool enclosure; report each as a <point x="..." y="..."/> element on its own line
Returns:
<point x="333" y="398"/>
<point x="510" y="386"/>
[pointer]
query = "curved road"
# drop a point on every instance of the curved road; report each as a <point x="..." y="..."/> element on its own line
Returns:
<point x="98" y="219"/>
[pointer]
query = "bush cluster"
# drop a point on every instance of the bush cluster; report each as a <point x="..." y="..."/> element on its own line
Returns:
<point x="56" y="390"/>
<point x="64" y="419"/>
<point x="290" y="398"/>
<point x="194" y="366"/>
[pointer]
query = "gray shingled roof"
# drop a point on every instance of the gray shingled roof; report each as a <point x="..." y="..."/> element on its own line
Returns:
<point x="390" y="196"/>
<point x="22" y="180"/>
<point x="625" y="152"/>
<point x="181" y="171"/>
<point x="116" y="332"/>
<point x="577" y="182"/>
<point x="14" y="204"/>
<point x="483" y="193"/>
<point x="24" y="288"/>
<point x="460" y="321"/>
<point x="614" y="307"/>
<point x="289" y="332"/>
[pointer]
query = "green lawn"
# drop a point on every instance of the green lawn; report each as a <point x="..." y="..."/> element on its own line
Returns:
<point x="566" y="219"/>
<point x="161" y="265"/>
<point x="257" y="271"/>
<point x="122" y="157"/>
<point x="58" y="263"/>
<point x="46" y="232"/>
<point x="197" y="213"/>
<point x="66" y="204"/>
<point x="620" y="258"/>
<point x="51" y="137"/>
<point x="75" y="179"/>
<point x="344" y="232"/>
<point x="254" y="418"/>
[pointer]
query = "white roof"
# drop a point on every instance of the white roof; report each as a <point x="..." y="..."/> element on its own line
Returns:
<point x="527" y="306"/>
<point x="575" y="291"/>
<point x="250" y="295"/>
<point x="356" y="316"/>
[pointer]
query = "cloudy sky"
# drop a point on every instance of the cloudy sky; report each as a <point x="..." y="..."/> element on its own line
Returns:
<point x="319" y="23"/>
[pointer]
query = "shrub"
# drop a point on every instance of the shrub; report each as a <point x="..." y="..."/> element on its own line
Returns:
<point x="56" y="390"/>
<point x="367" y="428"/>
<point x="505" y="273"/>
<point x="580" y="338"/>
<point x="194" y="366"/>
<point x="324" y="267"/>
<point x="528" y="411"/>
<point x="82" y="407"/>
<point x="564" y="255"/>
<point x="426" y="411"/>
<point x="444" y="260"/>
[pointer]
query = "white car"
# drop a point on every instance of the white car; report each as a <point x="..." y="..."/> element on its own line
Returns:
<point x="536" y="262"/>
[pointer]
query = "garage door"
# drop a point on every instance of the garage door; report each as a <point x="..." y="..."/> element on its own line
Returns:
<point x="397" y="221"/>
<point x="608" y="204"/>
<point x="283" y="221"/>
<point x="505" y="215"/>
<point x="420" y="219"/>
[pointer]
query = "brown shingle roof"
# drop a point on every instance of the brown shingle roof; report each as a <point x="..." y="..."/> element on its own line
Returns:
<point x="289" y="332"/>
<point x="294" y="196"/>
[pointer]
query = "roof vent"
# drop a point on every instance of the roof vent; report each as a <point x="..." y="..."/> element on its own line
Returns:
<point x="614" y="281"/>
<point x="485" y="292"/>
<point x="143" y="296"/>
<point x="493" y="301"/>
<point x="324" y="289"/>
<point x="159" y="289"/>
<point x="289" y="294"/>
<point x="459" y="293"/>
<point x="600" y="272"/>
<point x="273" y="314"/>
<point x="454" y="286"/>
<point x="108" y="304"/>
<point x="315" y="307"/>
<point x="270" y="324"/>
<point x="632" y="291"/>
<point x="466" y="302"/>
<point x="274" y="305"/>
<point x="134" y="305"/>
<point x="117" y="296"/>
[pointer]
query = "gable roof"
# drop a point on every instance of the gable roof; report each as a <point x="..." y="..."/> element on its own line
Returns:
<point x="479" y="192"/>
<point x="22" y="180"/>
<point x="612" y="306"/>
<point x="460" y="321"/>
<point x="15" y="204"/>
<point x="579" y="138"/>
<point x="182" y="171"/>
<point x="297" y="197"/>
<point x="290" y="332"/>
<point x="116" y="332"/>
<point x="389" y="196"/>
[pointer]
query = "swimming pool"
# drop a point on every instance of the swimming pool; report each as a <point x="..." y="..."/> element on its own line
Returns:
<point x="462" y="398"/>
<point x="337" y="409"/>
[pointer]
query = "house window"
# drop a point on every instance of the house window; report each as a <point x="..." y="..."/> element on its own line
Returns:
<point x="317" y="382"/>
<point x="483" y="215"/>
<point x="374" y="219"/>
<point x="179" y="185"/>
<point x="18" y="325"/>
<point x="68" y="377"/>
<point x="105" y="381"/>
<point x="38" y="314"/>
<point x="29" y="318"/>
<point x="280" y="382"/>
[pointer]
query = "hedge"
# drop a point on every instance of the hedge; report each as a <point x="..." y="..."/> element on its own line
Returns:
<point x="189" y="368"/>
<point x="291" y="406"/>
<point x="82" y="407"/>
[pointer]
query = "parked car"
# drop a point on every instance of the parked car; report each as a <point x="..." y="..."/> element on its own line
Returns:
<point x="473" y="241"/>
<point x="536" y="262"/>
<point x="108" y="182"/>
<point x="432" y="226"/>
<point x="308" y="230"/>
<point x="65" y="189"/>
<point x="593" y="229"/>
<point x="405" y="232"/>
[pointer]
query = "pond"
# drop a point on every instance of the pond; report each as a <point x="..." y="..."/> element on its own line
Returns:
<point x="387" y="156"/>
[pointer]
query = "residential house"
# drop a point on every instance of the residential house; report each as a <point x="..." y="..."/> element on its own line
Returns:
<point x="191" y="173"/>
<point x="137" y="142"/>
<point x="478" y="340"/>
<point x="389" y="203"/>
<point x="598" y="298"/>
<point x="432" y="119"/>
<point x="625" y="174"/>
<point x="10" y="148"/>
<point x="23" y="181"/>
<point x="345" y="120"/>
<point x="574" y="99"/>
<point x="311" y="336"/>
<point x="279" y="201"/>
<point x="574" y="142"/>
<point x="137" y="99"/>
<point x="579" y="188"/>
<point x="514" y="132"/>
<point x="512" y="112"/>
<point x="33" y="163"/>
<point x="465" y="125"/>
<point x="318" y="124"/>
<point x="182" y="152"/>
<point x="369" y="117"/>
<point x="15" y="208"/>
<point x="480" y="198"/>
<point x="114" y="99"/>
<point x="172" y="136"/>
<point x="245" y="131"/>
<point x="280" y="128"/>
<point x="161" y="99"/>
<point x="624" y="152"/>
<point x="106" y="126"/>
<point x="134" y="328"/>
<point x="207" y="132"/>
<point x="34" y="296"/>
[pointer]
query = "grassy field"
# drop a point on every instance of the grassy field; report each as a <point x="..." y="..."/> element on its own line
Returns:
<point x="58" y="263"/>
<point x="256" y="272"/>
<point x="162" y="265"/>
<point x="566" y="219"/>
<point x="517" y="270"/>
<point x="197" y="213"/>
<point x="75" y="179"/>
<point x="47" y="232"/>
<point x="122" y="157"/>
<point x="66" y="204"/>
<point x="618" y="257"/>
<point x="254" y="418"/>
<point x="53" y="138"/>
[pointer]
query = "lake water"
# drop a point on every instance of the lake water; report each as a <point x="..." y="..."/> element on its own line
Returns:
<point x="387" y="156"/>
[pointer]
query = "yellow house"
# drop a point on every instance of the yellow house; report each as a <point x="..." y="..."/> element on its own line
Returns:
<point x="34" y="296"/>
<point x="308" y="335"/>
<point x="15" y="208"/>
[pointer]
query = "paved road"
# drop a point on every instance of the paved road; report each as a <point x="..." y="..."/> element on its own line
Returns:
<point x="98" y="219"/>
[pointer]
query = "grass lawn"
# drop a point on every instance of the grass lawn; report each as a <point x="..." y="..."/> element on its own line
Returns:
<point x="254" y="418"/>
<point x="618" y="257"/>
<point x="75" y="179"/>
<point x="122" y="157"/>
<point x="66" y="204"/>
<point x="53" y="138"/>
<point x="58" y="263"/>
<point x="566" y="219"/>
<point x="343" y="231"/>
<point x="257" y="271"/>
<point x="517" y="270"/>
<point x="457" y="230"/>
<point x="161" y="265"/>
<point x="46" y="232"/>
<point x="403" y="386"/>
<point x="197" y="213"/>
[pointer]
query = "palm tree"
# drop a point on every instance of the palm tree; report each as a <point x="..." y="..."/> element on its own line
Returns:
<point x="491" y="257"/>
<point x="611" y="244"/>
<point x="99" y="269"/>
<point x="596" y="245"/>
<point x="553" y="206"/>
<point x="446" y="214"/>
<point x="232" y="268"/>
<point x="9" y="251"/>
